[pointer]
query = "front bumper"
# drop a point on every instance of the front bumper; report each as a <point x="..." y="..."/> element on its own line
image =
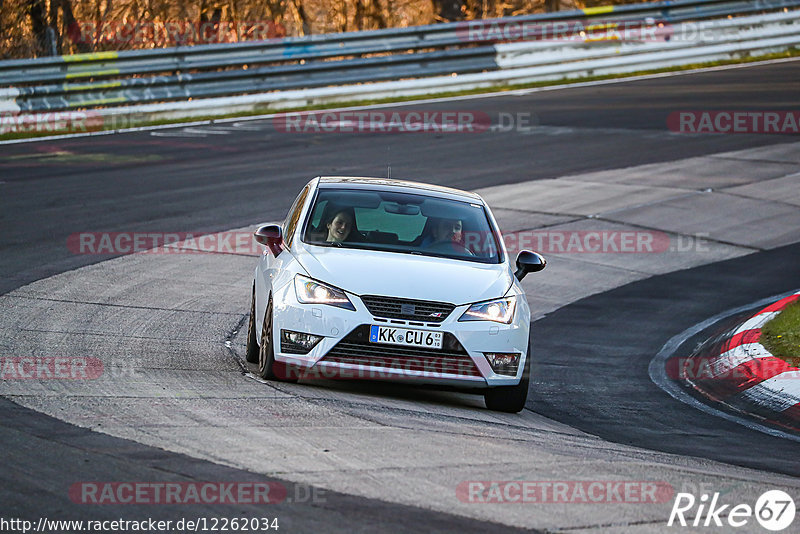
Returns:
<point x="343" y="352"/>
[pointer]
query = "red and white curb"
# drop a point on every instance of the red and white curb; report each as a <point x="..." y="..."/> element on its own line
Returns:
<point x="742" y="374"/>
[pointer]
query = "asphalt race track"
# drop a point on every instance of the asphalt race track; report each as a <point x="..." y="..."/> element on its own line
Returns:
<point x="593" y="411"/>
<point x="137" y="182"/>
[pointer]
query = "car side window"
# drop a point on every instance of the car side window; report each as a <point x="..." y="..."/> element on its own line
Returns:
<point x="294" y="216"/>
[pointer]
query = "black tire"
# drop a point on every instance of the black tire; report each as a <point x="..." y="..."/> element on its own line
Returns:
<point x="268" y="367"/>
<point x="251" y="355"/>
<point x="510" y="399"/>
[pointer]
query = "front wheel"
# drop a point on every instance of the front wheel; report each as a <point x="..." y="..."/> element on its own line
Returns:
<point x="251" y="355"/>
<point x="510" y="399"/>
<point x="268" y="367"/>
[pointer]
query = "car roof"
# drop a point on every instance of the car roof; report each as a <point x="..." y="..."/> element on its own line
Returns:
<point x="365" y="182"/>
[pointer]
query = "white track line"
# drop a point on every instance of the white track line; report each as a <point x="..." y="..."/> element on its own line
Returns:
<point x="756" y="322"/>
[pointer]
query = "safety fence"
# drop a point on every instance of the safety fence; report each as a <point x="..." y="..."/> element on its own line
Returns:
<point x="183" y="81"/>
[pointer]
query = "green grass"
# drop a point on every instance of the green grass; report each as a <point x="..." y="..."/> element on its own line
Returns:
<point x="781" y="336"/>
<point x="260" y="110"/>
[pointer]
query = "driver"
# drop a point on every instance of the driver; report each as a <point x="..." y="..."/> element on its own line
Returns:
<point x="340" y="225"/>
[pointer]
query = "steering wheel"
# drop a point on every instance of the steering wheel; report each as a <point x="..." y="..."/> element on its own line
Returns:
<point x="450" y="246"/>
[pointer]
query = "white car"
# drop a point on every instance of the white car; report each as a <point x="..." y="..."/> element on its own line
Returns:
<point x="381" y="279"/>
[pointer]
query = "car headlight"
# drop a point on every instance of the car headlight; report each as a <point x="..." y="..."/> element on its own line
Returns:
<point x="499" y="310"/>
<point x="312" y="292"/>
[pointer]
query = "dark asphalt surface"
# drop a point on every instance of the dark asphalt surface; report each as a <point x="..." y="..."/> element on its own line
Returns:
<point x="591" y="360"/>
<point x="138" y="182"/>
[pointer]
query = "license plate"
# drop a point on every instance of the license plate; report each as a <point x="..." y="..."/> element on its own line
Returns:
<point x="403" y="336"/>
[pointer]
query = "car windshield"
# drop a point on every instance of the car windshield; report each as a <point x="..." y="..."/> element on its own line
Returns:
<point x="401" y="222"/>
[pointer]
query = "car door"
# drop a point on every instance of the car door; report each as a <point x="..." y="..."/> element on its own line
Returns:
<point x="272" y="270"/>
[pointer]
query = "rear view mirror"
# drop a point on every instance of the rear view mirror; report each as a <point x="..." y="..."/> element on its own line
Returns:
<point x="271" y="236"/>
<point x="401" y="209"/>
<point x="529" y="262"/>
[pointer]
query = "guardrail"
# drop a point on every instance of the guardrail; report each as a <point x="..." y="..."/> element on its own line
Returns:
<point x="425" y="58"/>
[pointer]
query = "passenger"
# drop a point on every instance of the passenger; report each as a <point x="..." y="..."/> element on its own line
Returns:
<point x="340" y="225"/>
<point x="443" y="231"/>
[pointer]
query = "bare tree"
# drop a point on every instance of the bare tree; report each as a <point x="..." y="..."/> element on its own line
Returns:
<point x="305" y="20"/>
<point x="87" y="25"/>
<point x="37" y="11"/>
<point x="369" y="15"/>
<point x="68" y="23"/>
<point x="449" y="10"/>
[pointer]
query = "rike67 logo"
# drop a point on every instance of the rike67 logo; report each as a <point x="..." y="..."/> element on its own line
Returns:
<point x="774" y="510"/>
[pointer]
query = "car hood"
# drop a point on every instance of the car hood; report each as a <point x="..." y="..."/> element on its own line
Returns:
<point x="405" y="275"/>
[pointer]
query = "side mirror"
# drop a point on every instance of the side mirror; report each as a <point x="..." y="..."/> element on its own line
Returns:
<point x="270" y="235"/>
<point x="529" y="262"/>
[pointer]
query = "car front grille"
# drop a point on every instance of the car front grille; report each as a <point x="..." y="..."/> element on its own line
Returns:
<point x="407" y="309"/>
<point x="356" y="349"/>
